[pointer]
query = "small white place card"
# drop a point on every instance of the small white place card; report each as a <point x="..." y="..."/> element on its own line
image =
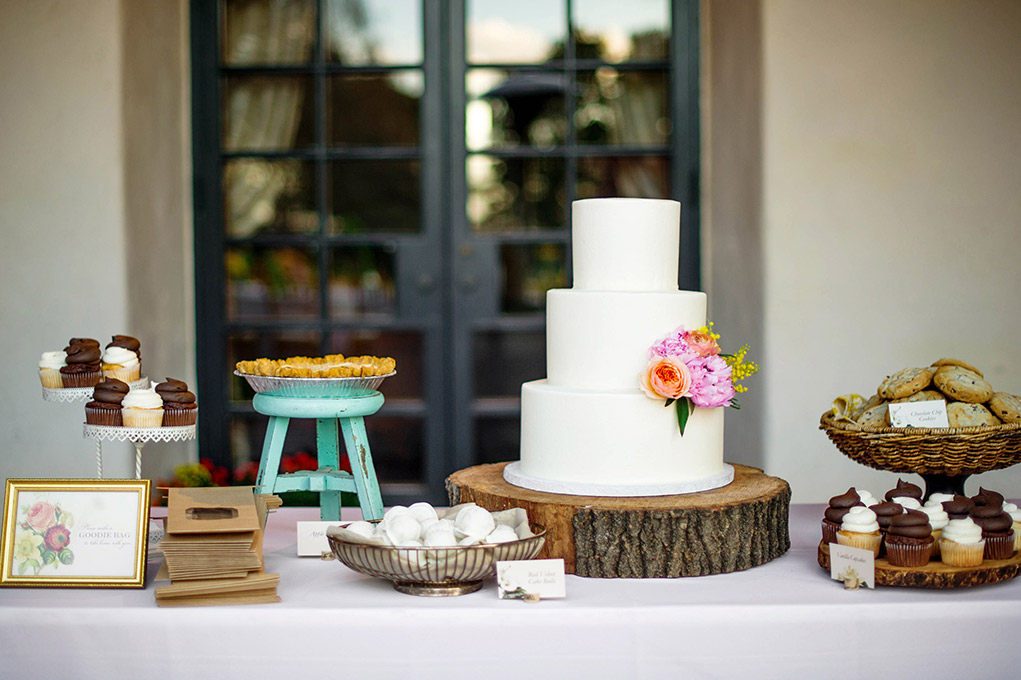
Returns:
<point x="312" y="540"/>
<point x="919" y="414"/>
<point x="854" y="566"/>
<point x="531" y="580"/>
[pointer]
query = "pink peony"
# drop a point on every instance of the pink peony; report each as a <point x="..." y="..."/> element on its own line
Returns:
<point x="712" y="382"/>
<point x="673" y="345"/>
<point x="702" y="344"/>
<point x="41" y="516"/>
<point x="666" y="377"/>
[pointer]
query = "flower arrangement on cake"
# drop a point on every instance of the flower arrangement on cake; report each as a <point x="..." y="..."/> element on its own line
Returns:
<point x="688" y="368"/>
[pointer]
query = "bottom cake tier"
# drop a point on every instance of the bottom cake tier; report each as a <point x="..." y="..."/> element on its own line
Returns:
<point x="597" y="443"/>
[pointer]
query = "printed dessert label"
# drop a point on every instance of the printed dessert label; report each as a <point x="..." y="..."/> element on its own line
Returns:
<point x="531" y="580"/>
<point x="919" y="414"/>
<point x="312" y="537"/>
<point x="854" y="566"/>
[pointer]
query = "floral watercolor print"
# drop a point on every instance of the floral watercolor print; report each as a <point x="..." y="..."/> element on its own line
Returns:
<point x="75" y="534"/>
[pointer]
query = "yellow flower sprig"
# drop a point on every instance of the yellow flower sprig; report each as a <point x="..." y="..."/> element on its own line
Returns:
<point x="741" y="368"/>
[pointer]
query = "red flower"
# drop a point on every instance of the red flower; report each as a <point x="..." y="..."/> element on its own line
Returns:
<point x="57" y="538"/>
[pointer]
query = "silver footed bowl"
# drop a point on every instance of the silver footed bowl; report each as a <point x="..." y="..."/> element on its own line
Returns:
<point x="314" y="388"/>
<point x="432" y="571"/>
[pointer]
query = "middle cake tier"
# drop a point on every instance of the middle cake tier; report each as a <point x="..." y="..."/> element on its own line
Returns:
<point x="599" y="340"/>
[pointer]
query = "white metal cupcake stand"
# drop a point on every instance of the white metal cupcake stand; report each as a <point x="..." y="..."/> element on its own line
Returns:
<point x="138" y="436"/>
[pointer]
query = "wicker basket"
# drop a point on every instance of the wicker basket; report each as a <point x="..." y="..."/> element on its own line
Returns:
<point x="953" y="451"/>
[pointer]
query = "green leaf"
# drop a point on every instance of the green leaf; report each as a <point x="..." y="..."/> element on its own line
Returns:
<point x="66" y="556"/>
<point x="49" y="556"/>
<point x="669" y="401"/>
<point x="683" y="411"/>
<point x="735" y="405"/>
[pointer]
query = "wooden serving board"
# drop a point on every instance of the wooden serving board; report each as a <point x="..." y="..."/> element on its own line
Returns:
<point x="735" y="527"/>
<point x="935" y="574"/>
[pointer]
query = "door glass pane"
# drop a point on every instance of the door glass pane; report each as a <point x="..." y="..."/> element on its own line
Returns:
<point x="507" y="109"/>
<point x="515" y="194"/>
<point x="374" y="196"/>
<point x="528" y="272"/>
<point x="519" y="32"/>
<point x="504" y="360"/>
<point x="267" y="113"/>
<point x="637" y="177"/>
<point x="271" y="283"/>
<point x="374" y="32"/>
<point x="404" y="346"/>
<point x="249" y="345"/>
<point x="256" y="32"/>
<point x="612" y="31"/>
<point x="498" y="440"/>
<point x="374" y="110"/>
<point x="398" y="446"/>
<point x="268" y="197"/>
<point x="362" y="282"/>
<point x="622" y="107"/>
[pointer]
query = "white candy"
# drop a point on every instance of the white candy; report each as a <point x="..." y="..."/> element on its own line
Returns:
<point x="502" y="534"/>
<point x="402" y="528"/>
<point x="423" y="512"/>
<point x="474" y="522"/>
<point x="440" y="535"/>
<point x="361" y="528"/>
<point x="395" y="511"/>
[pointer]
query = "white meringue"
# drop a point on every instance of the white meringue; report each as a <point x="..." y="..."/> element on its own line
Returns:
<point x="474" y="522"/>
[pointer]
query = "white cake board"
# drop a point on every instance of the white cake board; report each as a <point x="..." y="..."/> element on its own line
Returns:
<point x="513" y="475"/>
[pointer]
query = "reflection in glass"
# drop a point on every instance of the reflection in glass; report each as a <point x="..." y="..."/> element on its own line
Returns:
<point x="505" y="360"/>
<point x="615" y="32"/>
<point x="508" y="109"/>
<point x="249" y="345"/>
<point x="267" y="113"/>
<point x="497" y="440"/>
<point x="268" y="197"/>
<point x="271" y="283"/>
<point x="374" y="196"/>
<point x="267" y="32"/>
<point x="404" y="346"/>
<point x="635" y="177"/>
<point x="362" y="281"/>
<point x="519" y="32"/>
<point x="374" y="32"/>
<point x="374" y="110"/>
<point x="622" y="107"/>
<point x="515" y="194"/>
<point x="528" y="272"/>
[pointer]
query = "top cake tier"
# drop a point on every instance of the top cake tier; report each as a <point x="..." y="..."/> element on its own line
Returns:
<point x="625" y="244"/>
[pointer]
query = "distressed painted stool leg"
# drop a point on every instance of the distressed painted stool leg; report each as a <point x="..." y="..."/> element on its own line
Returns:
<point x="328" y="455"/>
<point x="272" y="446"/>
<point x="357" y="443"/>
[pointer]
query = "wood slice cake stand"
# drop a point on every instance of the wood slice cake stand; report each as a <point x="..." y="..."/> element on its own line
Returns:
<point x="936" y="574"/>
<point x="738" y="526"/>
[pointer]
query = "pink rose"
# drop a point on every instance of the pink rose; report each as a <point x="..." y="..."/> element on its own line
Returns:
<point x="41" y="516"/>
<point x="666" y="378"/>
<point x="702" y="344"/>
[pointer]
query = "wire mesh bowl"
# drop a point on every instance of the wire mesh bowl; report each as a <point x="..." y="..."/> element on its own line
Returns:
<point x="433" y="571"/>
<point x="936" y="451"/>
<point x="314" y="388"/>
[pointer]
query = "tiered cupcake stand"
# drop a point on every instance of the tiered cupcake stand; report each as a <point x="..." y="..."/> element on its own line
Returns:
<point x="944" y="458"/>
<point x="138" y="436"/>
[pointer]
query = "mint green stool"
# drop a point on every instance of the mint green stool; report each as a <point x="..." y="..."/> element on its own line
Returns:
<point x="329" y="480"/>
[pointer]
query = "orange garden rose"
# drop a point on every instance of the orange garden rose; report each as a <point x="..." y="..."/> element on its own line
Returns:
<point x="666" y="378"/>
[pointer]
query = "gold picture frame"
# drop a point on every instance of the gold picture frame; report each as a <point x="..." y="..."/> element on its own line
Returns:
<point x="75" y="533"/>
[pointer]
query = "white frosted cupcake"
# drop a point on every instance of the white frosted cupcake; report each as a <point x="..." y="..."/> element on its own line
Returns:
<point x="122" y="364"/>
<point x="938" y="519"/>
<point x="49" y="369"/>
<point x="859" y="529"/>
<point x="938" y="498"/>
<point x="142" y="408"/>
<point x="962" y="544"/>
<point x="907" y="502"/>
<point x="867" y="499"/>
<point x="1015" y="514"/>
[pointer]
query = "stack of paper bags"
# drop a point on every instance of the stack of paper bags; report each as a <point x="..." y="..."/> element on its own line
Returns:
<point x="213" y="548"/>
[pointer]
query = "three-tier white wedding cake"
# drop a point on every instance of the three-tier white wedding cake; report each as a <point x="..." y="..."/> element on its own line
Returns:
<point x="588" y="428"/>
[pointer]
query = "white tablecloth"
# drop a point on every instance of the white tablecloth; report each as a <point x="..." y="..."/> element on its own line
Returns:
<point x="785" y="619"/>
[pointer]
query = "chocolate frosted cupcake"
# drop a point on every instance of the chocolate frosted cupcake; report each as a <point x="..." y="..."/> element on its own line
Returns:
<point x="179" y="407"/>
<point x="884" y="513"/>
<point x="958" y="508"/>
<point x="909" y="540"/>
<point x="997" y="530"/>
<point x="938" y="519"/>
<point x="82" y="365"/>
<point x="987" y="497"/>
<point x="127" y="342"/>
<point x="105" y="407"/>
<point x="905" y="489"/>
<point x="834" y="515"/>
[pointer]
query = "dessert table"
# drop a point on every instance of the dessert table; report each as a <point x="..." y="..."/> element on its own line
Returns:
<point x="784" y="619"/>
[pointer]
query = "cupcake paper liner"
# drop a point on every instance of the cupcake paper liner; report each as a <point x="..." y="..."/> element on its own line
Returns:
<point x="829" y="532"/>
<point x="908" y="554"/>
<point x="103" y="416"/>
<point x="1017" y="536"/>
<point x="125" y="373"/>
<point x="90" y="379"/>
<point x="142" y="417"/>
<point x="961" y="554"/>
<point x="999" y="547"/>
<point x="173" y="417"/>
<point x="50" y="377"/>
<point x="863" y="541"/>
<point x="937" y="534"/>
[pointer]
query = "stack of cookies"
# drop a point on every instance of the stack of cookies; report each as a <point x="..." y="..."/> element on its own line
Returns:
<point x="971" y="400"/>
